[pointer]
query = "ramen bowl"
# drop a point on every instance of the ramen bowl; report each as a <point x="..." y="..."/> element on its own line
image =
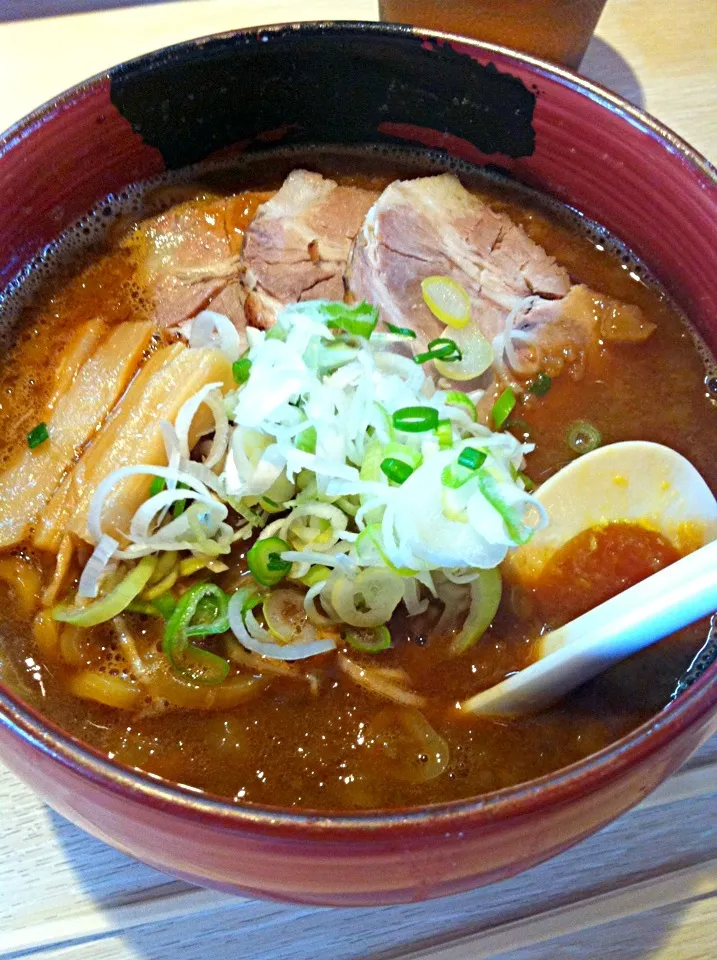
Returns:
<point x="225" y="97"/>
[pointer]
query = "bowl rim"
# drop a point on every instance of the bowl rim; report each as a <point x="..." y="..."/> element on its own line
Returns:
<point x="584" y="777"/>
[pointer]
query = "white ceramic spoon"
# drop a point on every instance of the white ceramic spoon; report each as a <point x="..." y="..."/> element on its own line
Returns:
<point x="637" y="481"/>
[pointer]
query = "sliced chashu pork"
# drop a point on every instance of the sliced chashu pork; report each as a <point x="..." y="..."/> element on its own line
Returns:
<point x="188" y="258"/>
<point x="522" y="299"/>
<point x="296" y="247"/>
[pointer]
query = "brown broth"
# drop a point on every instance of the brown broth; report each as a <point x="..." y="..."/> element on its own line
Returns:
<point x="292" y="747"/>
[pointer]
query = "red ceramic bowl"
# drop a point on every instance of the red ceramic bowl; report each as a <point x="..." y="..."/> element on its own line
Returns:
<point x="381" y="85"/>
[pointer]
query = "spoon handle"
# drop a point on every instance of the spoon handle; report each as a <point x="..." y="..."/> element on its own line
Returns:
<point x="657" y="606"/>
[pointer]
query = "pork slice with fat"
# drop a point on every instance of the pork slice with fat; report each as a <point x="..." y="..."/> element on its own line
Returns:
<point x="522" y="299"/>
<point x="297" y="246"/>
<point x="188" y="259"/>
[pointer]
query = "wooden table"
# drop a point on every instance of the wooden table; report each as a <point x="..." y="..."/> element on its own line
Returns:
<point x="645" y="888"/>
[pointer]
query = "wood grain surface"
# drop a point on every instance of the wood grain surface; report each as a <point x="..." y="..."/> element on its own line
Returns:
<point x="645" y="888"/>
<point x="646" y="885"/>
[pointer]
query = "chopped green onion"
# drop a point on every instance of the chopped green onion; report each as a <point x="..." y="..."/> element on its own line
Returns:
<point x="471" y="458"/>
<point x="179" y="506"/>
<point x="245" y="512"/>
<point x="368" y="599"/>
<point x="370" y="537"/>
<point x="325" y="357"/>
<point x="269" y="505"/>
<point x="156" y="486"/>
<point x="583" y="437"/>
<point x="486" y="592"/>
<point x="415" y="419"/>
<point x="241" y="370"/>
<point x="275" y="564"/>
<point x="211" y="612"/>
<point x="401" y="331"/>
<point x="348" y="505"/>
<point x="164" y="605"/>
<point x="370" y="471"/>
<point x="315" y="575"/>
<point x="143" y="606"/>
<point x="452" y="477"/>
<point x="114" y="602"/>
<point x="304" y="480"/>
<point x="306" y="440"/>
<point x="503" y="407"/>
<point x="401" y="451"/>
<point x="529" y="484"/>
<point x="208" y="605"/>
<point x="370" y="641"/>
<point x="442" y="348"/>
<point x="541" y="385"/>
<point x="449" y="349"/>
<point x="456" y="398"/>
<point x="359" y="320"/>
<point x="275" y="333"/>
<point x="396" y="470"/>
<point x="518" y="531"/>
<point x="37" y="436"/>
<point x="250" y="599"/>
<point x="444" y="433"/>
<point x="466" y="468"/>
<point x="265" y="563"/>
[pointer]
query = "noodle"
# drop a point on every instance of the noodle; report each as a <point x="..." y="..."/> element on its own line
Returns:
<point x="62" y="570"/>
<point x="46" y="634"/>
<point x="113" y="691"/>
<point x="375" y="681"/>
<point x="231" y="693"/>
<point x="72" y="642"/>
<point x="24" y="582"/>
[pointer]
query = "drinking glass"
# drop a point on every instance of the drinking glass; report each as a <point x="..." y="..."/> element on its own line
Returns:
<point x="557" y="30"/>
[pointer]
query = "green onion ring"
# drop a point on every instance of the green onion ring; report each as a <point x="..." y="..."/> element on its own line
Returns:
<point x="541" y="385"/>
<point x="359" y="319"/>
<point x="396" y="470"/>
<point x="471" y="458"/>
<point x="583" y="437"/>
<point x="503" y="407"/>
<point x="444" y="434"/>
<point x="529" y="484"/>
<point x="37" y="435"/>
<point x="306" y="440"/>
<point x="265" y="563"/>
<point x="415" y="419"/>
<point x="517" y="530"/>
<point x="156" y="486"/>
<point x="373" y="641"/>
<point x="456" y="398"/>
<point x="442" y="348"/>
<point x="401" y="331"/>
<point x="241" y="370"/>
<point x="199" y="666"/>
<point x="113" y="602"/>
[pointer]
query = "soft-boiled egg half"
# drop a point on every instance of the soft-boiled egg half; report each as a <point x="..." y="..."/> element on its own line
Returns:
<point x="635" y="481"/>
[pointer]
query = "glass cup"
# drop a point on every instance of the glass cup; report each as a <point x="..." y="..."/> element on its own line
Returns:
<point x="557" y="30"/>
